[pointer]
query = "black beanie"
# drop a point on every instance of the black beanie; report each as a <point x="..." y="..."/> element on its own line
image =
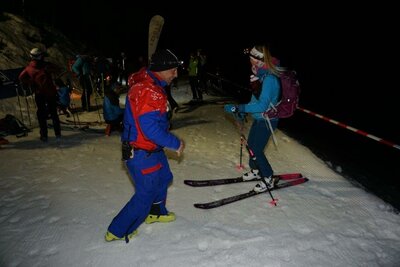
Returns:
<point x="163" y="60"/>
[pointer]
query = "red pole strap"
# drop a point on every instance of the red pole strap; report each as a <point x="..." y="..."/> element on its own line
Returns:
<point x="380" y="140"/>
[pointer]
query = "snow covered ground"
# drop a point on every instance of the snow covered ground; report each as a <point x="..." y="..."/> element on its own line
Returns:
<point x="57" y="200"/>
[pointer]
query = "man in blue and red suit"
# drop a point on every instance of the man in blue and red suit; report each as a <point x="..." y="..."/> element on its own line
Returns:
<point x="146" y="134"/>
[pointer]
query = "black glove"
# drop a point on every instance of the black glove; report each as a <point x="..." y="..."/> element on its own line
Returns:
<point x="240" y="116"/>
<point x="127" y="151"/>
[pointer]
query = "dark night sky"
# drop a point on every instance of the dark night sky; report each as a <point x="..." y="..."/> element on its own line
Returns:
<point x="112" y="25"/>
<point x="339" y="52"/>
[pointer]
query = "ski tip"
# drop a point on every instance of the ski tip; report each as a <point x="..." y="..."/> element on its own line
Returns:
<point x="305" y="179"/>
<point x="301" y="180"/>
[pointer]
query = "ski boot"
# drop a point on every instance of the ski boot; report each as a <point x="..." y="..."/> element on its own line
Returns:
<point x="269" y="181"/>
<point x="253" y="174"/>
<point x="111" y="237"/>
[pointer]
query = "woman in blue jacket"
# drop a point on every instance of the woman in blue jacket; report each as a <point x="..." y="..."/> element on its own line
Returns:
<point x="266" y="70"/>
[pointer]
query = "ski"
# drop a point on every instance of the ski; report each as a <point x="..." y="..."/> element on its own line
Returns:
<point x="155" y="27"/>
<point x="68" y="121"/>
<point x="224" y="201"/>
<point x="212" y="182"/>
<point x="87" y="129"/>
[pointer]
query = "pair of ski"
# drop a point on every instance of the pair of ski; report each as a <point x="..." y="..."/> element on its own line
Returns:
<point x="84" y="122"/>
<point x="288" y="179"/>
<point x="85" y="128"/>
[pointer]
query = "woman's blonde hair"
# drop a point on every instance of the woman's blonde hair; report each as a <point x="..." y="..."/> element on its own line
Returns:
<point x="274" y="69"/>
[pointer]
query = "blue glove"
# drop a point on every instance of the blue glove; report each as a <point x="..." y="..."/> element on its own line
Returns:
<point x="238" y="111"/>
<point x="230" y="108"/>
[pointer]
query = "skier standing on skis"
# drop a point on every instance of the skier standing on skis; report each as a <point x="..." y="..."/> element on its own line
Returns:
<point x="266" y="70"/>
<point x="146" y="133"/>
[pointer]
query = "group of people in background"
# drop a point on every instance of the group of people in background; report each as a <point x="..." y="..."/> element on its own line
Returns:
<point x="53" y="94"/>
<point x="96" y="75"/>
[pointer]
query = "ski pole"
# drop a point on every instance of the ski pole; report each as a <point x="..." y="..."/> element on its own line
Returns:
<point x="97" y="95"/>
<point x="27" y="108"/>
<point x="72" y="105"/>
<point x="87" y="100"/>
<point x="240" y="124"/>
<point x="254" y="158"/>
<point x="102" y="85"/>
<point x="241" y="127"/>
<point x="79" y="121"/>
<point x="19" y="102"/>
<point x="77" y="115"/>
<point x="241" y="167"/>
<point x="251" y="153"/>
<point x="97" y="107"/>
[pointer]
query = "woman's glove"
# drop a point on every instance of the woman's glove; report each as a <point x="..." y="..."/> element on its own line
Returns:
<point x="230" y="108"/>
<point x="238" y="111"/>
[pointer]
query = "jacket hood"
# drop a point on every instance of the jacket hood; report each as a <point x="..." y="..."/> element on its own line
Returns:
<point x="137" y="77"/>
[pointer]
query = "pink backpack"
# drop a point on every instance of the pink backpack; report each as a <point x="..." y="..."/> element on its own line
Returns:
<point x="290" y="92"/>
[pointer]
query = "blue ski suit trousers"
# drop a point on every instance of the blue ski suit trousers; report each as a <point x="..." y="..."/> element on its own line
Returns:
<point x="257" y="140"/>
<point x="151" y="175"/>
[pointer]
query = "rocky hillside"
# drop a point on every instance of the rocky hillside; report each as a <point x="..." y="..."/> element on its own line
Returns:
<point x="18" y="37"/>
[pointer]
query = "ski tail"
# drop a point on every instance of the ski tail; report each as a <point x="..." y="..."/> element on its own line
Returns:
<point x="155" y="28"/>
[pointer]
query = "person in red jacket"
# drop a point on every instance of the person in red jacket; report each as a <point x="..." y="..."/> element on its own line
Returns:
<point x="38" y="75"/>
<point x="145" y="135"/>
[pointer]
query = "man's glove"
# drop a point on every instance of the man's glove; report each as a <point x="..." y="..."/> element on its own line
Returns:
<point x="127" y="151"/>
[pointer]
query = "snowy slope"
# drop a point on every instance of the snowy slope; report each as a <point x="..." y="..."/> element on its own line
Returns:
<point x="57" y="200"/>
